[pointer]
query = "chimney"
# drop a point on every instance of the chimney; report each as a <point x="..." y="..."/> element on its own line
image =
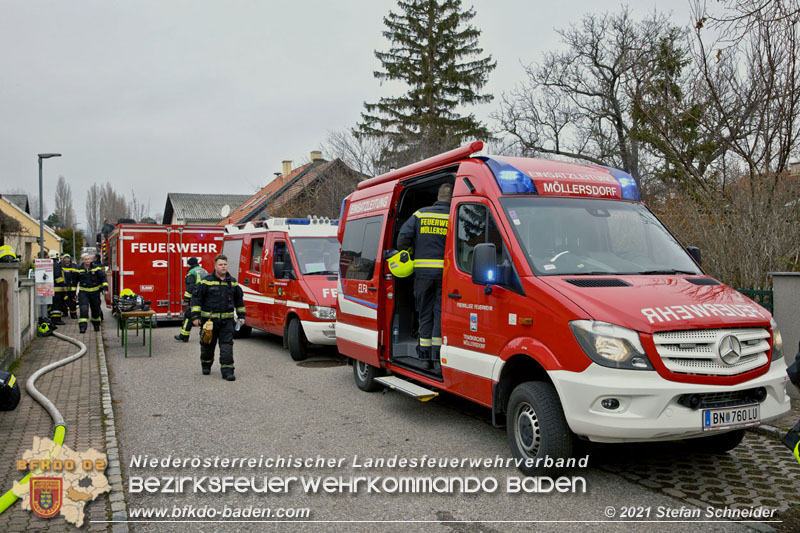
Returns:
<point x="316" y="154"/>
<point x="287" y="167"/>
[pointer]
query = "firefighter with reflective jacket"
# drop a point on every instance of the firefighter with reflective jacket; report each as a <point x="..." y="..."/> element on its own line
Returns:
<point x="91" y="281"/>
<point x="70" y="281"/>
<point x="193" y="277"/>
<point x="216" y="298"/>
<point x="57" y="307"/>
<point x="426" y="232"/>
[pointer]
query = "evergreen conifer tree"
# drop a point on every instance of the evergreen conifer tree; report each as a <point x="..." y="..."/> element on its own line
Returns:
<point x="435" y="51"/>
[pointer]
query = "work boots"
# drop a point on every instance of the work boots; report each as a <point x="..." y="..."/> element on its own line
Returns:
<point x="181" y="338"/>
<point x="227" y="375"/>
<point x="83" y="328"/>
<point x="96" y="327"/>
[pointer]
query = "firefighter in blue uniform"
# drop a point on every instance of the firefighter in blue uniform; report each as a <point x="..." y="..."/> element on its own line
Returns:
<point x="70" y="281"/>
<point x="57" y="308"/>
<point x="216" y="297"/>
<point x="426" y="231"/>
<point x="193" y="277"/>
<point x="91" y="280"/>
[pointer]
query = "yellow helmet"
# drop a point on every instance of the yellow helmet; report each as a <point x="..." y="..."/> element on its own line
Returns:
<point x="127" y="292"/>
<point x="401" y="264"/>
<point x="7" y="254"/>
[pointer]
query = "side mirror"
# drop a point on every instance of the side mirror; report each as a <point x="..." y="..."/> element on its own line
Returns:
<point x="694" y="251"/>
<point x="484" y="264"/>
<point x="278" y="270"/>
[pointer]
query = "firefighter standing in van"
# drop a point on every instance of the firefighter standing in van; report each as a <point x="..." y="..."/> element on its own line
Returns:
<point x="70" y="280"/>
<point x="91" y="281"/>
<point x="217" y="296"/>
<point x="193" y="277"/>
<point x="426" y="232"/>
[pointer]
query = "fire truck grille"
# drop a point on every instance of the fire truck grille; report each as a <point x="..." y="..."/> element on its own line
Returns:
<point x="695" y="351"/>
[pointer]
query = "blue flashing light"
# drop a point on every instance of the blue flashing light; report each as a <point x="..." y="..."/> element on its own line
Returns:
<point x="341" y="211"/>
<point x="630" y="191"/>
<point x="298" y="221"/>
<point x="490" y="275"/>
<point x="334" y="222"/>
<point x="510" y="179"/>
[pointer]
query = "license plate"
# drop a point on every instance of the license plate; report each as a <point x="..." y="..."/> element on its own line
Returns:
<point x="731" y="417"/>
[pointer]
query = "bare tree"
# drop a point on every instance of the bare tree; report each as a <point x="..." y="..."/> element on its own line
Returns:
<point x="362" y="153"/>
<point x="94" y="216"/>
<point x="64" y="210"/>
<point x="137" y="209"/>
<point x="579" y="103"/>
<point x="112" y="205"/>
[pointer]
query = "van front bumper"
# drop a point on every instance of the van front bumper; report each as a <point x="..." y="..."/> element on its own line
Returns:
<point x="320" y="332"/>
<point x="649" y="408"/>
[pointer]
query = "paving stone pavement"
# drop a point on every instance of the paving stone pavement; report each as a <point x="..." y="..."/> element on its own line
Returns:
<point x="75" y="391"/>
<point x="758" y="472"/>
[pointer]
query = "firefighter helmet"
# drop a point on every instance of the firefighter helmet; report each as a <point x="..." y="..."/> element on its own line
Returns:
<point x="401" y="264"/>
<point x="7" y="254"/>
<point x="127" y="292"/>
<point x="52" y="254"/>
<point x="64" y="256"/>
<point x="44" y="327"/>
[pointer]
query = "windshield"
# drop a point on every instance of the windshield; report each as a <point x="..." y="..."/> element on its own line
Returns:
<point x="575" y="236"/>
<point x="316" y="255"/>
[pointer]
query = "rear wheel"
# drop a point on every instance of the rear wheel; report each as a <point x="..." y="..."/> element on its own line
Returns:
<point x="298" y="345"/>
<point x="536" y="427"/>
<point x="365" y="375"/>
<point x="719" y="443"/>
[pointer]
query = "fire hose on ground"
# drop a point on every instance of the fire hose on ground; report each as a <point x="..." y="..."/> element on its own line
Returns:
<point x="8" y="499"/>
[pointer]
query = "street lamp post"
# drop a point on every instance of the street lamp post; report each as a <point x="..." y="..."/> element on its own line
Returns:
<point x="41" y="219"/>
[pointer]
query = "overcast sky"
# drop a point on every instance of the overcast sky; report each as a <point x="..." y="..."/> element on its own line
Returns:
<point x="210" y="96"/>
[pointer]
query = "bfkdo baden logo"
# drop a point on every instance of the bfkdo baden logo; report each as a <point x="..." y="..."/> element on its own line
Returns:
<point x="61" y="480"/>
<point x="46" y="495"/>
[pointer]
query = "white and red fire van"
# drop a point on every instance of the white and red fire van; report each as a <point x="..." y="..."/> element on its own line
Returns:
<point x="151" y="260"/>
<point x="567" y="308"/>
<point x="287" y="269"/>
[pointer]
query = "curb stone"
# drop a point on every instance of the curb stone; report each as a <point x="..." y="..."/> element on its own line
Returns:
<point x="117" y="494"/>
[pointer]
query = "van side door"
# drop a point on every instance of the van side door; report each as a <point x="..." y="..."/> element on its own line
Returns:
<point x="251" y="268"/>
<point x="361" y="268"/>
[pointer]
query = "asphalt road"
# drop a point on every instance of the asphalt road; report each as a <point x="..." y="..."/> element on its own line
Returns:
<point x="165" y="407"/>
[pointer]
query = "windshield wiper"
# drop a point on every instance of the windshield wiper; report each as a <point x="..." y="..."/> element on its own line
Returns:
<point x="322" y="273"/>
<point x="592" y="273"/>
<point x="668" y="271"/>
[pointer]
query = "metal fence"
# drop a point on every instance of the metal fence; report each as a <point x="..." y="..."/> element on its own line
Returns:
<point x="764" y="298"/>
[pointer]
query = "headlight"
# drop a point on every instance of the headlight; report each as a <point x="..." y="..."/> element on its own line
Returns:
<point x="777" y="340"/>
<point x="323" y="313"/>
<point x="610" y="345"/>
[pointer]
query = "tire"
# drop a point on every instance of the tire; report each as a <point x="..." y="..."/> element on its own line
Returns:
<point x="719" y="443"/>
<point x="365" y="375"/>
<point x="243" y="333"/>
<point x="536" y="426"/>
<point x="298" y="345"/>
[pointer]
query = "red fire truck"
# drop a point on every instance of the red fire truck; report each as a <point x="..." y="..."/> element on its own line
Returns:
<point x="287" y="268"/>
<point x="151" y="260"/>
<point x="567" y="308"/>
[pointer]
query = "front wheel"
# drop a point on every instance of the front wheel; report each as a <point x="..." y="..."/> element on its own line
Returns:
<point x="537" y="429"/>
<point x="365" y="375"/>
<point x="298" y="345"/>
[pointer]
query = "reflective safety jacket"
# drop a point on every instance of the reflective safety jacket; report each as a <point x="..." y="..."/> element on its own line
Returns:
<point x="70" y="275"/>
<point x="426" y="232"/>
<point x="58" y="277"/>
<point x="193" y="277"/>
<point x="91" y="279"/>
<point x="216" y="298"/>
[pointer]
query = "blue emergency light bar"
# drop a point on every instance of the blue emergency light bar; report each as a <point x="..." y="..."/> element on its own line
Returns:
<point x="298" y="221"/>
<point x="512" y="180"/>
